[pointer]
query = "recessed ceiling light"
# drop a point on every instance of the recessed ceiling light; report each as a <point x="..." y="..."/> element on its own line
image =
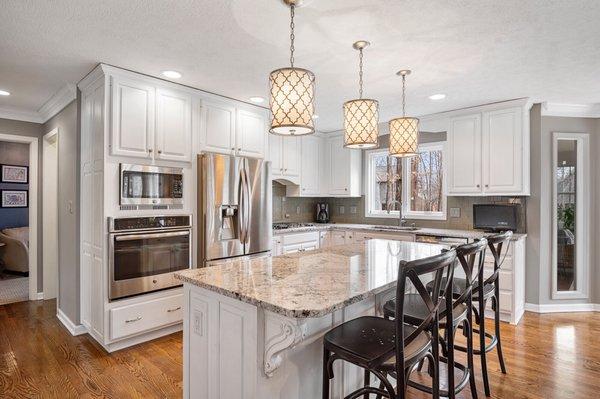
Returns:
<point x="4" y="93"/>
<point x="171" y="74"/>
<point x="315" y="116"/>
<point x="257" y="99"/>
<point x="437" y="97"/>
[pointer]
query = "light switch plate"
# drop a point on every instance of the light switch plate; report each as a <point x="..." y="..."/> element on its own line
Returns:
<point x="454" y="212"/>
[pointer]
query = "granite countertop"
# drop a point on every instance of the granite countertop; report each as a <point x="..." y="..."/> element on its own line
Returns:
<point x="314" y="283"/>
<point x="472" y="234"/>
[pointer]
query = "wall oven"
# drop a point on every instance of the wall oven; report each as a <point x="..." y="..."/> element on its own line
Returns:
<point x="150" y="185"/>
<point x="145" y="252"/>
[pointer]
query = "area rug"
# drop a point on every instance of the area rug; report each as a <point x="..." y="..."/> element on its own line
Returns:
<point x="14" y="290"/>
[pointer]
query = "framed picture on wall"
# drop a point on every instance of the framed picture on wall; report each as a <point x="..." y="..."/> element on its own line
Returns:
<point x="14" y="198"/>
<point x="14" y="174"/>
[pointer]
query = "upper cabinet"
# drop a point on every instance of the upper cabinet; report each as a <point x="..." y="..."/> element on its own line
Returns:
<point x="284" y="154"/>
<point x="173" y="125"/>
<point x="312" y="166"/>
<point x="345" y="169"/>
<point x="227" y="129"/>
<point x="488" y="152"/>
<point x="133" y="118"/>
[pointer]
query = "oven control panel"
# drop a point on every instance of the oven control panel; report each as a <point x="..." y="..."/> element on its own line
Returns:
<point x="149" y="223"/>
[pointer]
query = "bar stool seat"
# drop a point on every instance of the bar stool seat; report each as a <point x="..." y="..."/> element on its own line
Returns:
<point x="370" y="342"/>
<point x="415" y="310"/>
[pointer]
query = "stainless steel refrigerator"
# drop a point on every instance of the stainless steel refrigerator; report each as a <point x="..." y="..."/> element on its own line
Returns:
<point x="234" y="207"/>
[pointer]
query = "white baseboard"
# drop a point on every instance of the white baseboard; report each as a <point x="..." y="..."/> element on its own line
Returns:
<point x="40" y="296"/>
<point x="73" y="328"/>
<point x="562" y="307"/>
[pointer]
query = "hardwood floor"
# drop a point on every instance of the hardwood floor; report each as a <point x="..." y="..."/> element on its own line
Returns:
<point x="548" y="356"/>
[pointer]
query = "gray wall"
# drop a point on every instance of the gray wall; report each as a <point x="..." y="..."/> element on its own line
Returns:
<point x="19" y="128"/>
<point x="68" y="207"/>
<point x="539" y="243"/>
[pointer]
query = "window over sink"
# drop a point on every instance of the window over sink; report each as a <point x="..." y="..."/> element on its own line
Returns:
<point x="418" y="183"/>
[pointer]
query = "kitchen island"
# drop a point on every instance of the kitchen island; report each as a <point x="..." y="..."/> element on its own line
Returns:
<point x="253" y="328"/>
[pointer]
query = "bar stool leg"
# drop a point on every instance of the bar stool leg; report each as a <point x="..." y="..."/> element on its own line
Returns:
<point x="326" y="375"/>
<point x="468" y="332"/>
<point x="497" y="328"/>
<point x="486" y="382"/>
<point x="450" y="357"/>
<point x="367" y="382"/>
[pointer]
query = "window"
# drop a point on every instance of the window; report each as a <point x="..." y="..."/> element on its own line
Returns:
<point x="391" y="180"/>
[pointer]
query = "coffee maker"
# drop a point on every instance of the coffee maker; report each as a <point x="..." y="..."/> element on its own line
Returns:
<point x="322" y="212"/>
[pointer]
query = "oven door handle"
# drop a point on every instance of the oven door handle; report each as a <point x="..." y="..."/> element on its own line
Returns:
<point x="131" y="237"/>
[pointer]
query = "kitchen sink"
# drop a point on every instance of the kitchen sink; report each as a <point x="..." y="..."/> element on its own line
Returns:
<point x="398" y="228"/>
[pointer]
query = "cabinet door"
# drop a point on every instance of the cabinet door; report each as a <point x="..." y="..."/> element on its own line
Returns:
<point x="324" y="239"/>
<point x="311" y="167"/>
<point x="340" y="157"/>
<point x="291" y="156"/>
<point x="464" y="155"/>
<point x="251" y="131"/>
<point x="133" y="108"/>
<point x="173" y="125"/>
<point x="218" y="127"/>
<point x="275" y="155"/>
<point x="291" y="248"/>
<point x="502" y="151"/>
<point x="310" y="245"/>
<point x="276" y="246"/>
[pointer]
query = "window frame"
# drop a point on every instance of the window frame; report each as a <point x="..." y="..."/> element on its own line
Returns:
<point x="406" y="212"/>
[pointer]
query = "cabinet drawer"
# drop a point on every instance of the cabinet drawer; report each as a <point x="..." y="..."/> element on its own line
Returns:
<point x="505" y="278"/>
<point x="142" y="317"/>
<point x="300" y="238"/>
<point x="506" y="299"/>
<point x="506" y="262"/>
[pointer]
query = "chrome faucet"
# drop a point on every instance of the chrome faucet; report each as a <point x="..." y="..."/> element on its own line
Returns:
<point x="401" y="220"/>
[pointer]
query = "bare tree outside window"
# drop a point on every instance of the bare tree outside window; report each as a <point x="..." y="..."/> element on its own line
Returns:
<point x="426" y="182"/>
<point x="388" y="172"/>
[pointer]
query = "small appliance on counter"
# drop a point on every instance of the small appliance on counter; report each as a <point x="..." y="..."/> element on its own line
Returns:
<point x="322" y="212"/>
<point x="495" y="217"/>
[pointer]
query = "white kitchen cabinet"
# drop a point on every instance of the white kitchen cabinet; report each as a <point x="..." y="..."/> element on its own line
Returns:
<point x="345" y="169"/>
<point x="251" y="134"/>
<point x="218" y="127"/>
<point x="133" y="117"/>
<point x="300" y="242"/>
<point x="488" y="152"/>
<point x="173" y="125"/>
<point x="324" y="239"/>
<point x="464" y="155"/>
<point x="311" y="166"/>
<point x="502" y="141"/>
<point x="284" y="153"/>
<point x="276" y="246"/>
<point x="338" y="237"/>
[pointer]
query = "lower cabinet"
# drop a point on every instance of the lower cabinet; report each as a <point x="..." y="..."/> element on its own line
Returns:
<point x="276" y="246"/>
<point x="141" y="317"/>
<point x="300" y="242"/>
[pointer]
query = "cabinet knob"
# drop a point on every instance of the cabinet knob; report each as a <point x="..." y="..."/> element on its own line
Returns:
<point x="303" y="189"/>
<point x="487" y="185"/>
<point x="345" y="189"/>
<point x="239" y="148"/>
<point x="478" y="186"/>
<point x="160" y="151"/>
<point x="150" y="150"/>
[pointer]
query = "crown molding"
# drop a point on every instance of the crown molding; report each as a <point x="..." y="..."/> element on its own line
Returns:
<point x="63" y="97"/>
<point x="20" y="115"/>
<point x="58" y="101"/>
<point x="571" y="110"/>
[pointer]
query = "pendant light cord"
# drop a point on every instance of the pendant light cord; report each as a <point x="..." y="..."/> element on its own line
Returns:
<point x="360" y="73"/>
<point x="292" y="36"/>
<point x="403" y="96"/>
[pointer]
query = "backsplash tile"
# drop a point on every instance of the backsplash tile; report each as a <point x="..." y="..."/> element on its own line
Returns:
<point x="352" y="210"/>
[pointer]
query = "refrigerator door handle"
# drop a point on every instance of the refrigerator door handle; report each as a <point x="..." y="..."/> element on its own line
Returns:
<point x="241" y="224"/>
<point x="246" y="204"/>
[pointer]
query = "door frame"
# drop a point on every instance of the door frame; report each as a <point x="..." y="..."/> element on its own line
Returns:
<point x="49" y="139"/>
<point x="33" y="209"/>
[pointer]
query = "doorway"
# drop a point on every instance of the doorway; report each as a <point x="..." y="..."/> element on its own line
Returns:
<point x="50" y="214"/>
<point x="19" y="252"/>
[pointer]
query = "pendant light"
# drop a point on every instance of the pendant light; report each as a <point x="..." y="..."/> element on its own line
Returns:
<point x="292" y="93"/>
<point x="404" y="131"/>
<point x="361" y="116"/>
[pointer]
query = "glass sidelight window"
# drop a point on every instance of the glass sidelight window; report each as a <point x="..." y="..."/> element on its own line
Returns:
<point x="570" y="203"/>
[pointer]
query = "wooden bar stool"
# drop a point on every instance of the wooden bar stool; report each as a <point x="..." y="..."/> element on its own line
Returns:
<point x="471" y="257"/>
<point x="392" y="348"/>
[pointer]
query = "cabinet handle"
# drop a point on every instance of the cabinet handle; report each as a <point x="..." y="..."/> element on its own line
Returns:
<point x="150" y="150"/>
<point x="134" y="320"/>
<point x="232" y="148"/>
<point x="478" y="186"/>
<point x="285" y="170"/>
<point x="174" y="309"/>
<point x="345" y="189"/>
<point x="239" y="149"/>
<point x="487" y="185"/>
<point x="160" y="151"/>
<point x="303" y="189"/>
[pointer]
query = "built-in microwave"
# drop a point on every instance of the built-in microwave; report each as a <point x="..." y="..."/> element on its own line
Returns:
<point x="150" y="185"/>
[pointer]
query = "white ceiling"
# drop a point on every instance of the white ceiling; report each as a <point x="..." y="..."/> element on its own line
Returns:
<point x="474" y="51"/>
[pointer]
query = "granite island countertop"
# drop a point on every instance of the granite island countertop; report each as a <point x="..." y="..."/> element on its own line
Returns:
<point x="313" y="283"/>
<point x="427" y="231"/>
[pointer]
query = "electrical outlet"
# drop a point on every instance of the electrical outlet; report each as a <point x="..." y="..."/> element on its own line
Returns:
<point x="454" y="212"/>
<point x="353" y="209"/>
<point x="198" y="316"/>
<point x="298" y="210"/>
<point x="342" y="209"/>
